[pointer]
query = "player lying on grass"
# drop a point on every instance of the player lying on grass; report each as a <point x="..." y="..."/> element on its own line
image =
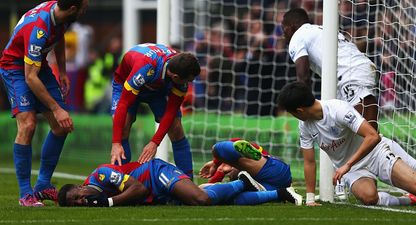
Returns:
<point x="157" y="182"/>
<point x="240" y="155"/>
<point x="355" y="148"/>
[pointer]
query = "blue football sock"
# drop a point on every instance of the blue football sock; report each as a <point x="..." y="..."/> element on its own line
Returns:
<point x="225" y="151"/>
<point x="51" y="150"/>
<point x="23" y="164"/>
<point x="183" y="156"/>
<point x="221" y="193"/>
<point x="127" y="151"/>
<point x="255" y="198"/>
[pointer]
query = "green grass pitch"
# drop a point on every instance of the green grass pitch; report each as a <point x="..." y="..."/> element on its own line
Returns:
<point x="271" y="213"/>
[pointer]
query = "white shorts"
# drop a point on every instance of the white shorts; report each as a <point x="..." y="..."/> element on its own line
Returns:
<point x="354" y="93"/>
<point x="380" y="164"/>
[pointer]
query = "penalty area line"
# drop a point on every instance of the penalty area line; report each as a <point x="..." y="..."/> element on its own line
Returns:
<point x="55" y="174"/>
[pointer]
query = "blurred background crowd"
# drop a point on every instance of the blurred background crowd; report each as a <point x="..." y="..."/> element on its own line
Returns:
<point x="240" y="45"/>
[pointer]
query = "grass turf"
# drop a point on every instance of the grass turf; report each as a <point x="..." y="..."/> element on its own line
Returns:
<point x="271" y="213"/>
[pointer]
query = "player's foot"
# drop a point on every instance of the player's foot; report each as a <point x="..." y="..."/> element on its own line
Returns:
<point x="289" y="195"/>
<point x="30" y="201"/>
<point x="247" y="150"/>
<point x="249" y="183"/>
<point x="47" y="194"/>
<point x="412" y="198"/>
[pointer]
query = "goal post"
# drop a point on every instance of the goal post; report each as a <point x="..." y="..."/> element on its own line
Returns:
<point x="329" y="88"/>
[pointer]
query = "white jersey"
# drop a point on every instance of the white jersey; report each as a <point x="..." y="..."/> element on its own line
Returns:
<point x="336" y="133"/>
<point x="353" y="65"/>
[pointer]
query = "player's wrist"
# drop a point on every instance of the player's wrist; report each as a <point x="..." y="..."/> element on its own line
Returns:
<point x="110" y="202"/>
<point x="310" y="197"/>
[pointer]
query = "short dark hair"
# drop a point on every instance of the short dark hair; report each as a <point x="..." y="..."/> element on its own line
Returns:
<point x="296" y="16"/>
<point x="185" y="65"/>
<point x="66" y="4"/>
<point x="295" y="95"/>
<point x="63" y="193"/>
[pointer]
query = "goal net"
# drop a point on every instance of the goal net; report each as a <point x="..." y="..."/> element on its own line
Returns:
<point x="245" y="63"/>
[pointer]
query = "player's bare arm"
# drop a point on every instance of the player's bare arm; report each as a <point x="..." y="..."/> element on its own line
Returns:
<point x="302" y="70"/>
<point x="61" y="61"/>
<point x="371" y="139"/>
<point x="36" y="85"/>
<point x="310" y="175"/>
<point x="133" y="192"/>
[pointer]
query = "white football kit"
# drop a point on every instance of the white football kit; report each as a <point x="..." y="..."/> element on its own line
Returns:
<point x="355" y="72"/>
<point x="336" y="134"/>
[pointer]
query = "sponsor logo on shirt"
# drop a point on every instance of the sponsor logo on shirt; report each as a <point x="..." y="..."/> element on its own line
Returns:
<point x="115" y="178"/>
<point x="35" y="50"/>
<point x="150" y="72"/>
<point x="40" y="34"/>
<point x="333" y="145"/>
<point x="350" y="117"/>
<point x="101" y="177"/>
<point x="24" y="101"/>
<point x="138" y="80"/>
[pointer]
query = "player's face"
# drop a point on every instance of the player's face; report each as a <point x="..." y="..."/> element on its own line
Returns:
<point x="287" y="31"/>
<point x="76" y="197"/>
<point x="78" y="12"/>
<point x="177" y="80"/>
<point x="300" y="114"/>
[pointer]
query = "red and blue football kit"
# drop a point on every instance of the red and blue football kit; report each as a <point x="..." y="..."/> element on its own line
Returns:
<point x="34" y="36"/>
<point x="273" y="175"/>
<point x="158" y="176"/>
<point x="141" y="77"/>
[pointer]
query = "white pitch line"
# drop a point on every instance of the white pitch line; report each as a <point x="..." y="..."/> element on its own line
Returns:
<point x="206" y="219"/>
<point x="55" y="174"/>
<point x="385" y="208"/>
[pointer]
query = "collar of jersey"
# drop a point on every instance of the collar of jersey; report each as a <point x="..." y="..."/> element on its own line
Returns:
<point x="95" y="187"/>
<point x="53" y="14"/>
<point x="164" y="70"/>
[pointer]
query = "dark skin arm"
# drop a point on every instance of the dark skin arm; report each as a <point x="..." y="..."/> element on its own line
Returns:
<point x="302" y="70"/>
<point x="133" y="193"/>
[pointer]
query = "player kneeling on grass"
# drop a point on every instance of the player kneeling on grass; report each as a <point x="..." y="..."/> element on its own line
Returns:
<point x="153" y="182"/>
<point x="355" y="148"/>
<point x="240" y="155"/>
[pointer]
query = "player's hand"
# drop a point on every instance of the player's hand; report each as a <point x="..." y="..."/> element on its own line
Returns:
<point x="65" y="84"/>
<point x="117" y="153"/>
<point x="149" y="152"/>
<point x="63" y="119"/>
<point x="340" y="172"/>
<point x="99" y="200"/>
<point x="208" y="170"/>
<point x="313" y="204"/>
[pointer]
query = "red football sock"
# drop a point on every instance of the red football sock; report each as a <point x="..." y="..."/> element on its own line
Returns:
<point x="218" y="176"/>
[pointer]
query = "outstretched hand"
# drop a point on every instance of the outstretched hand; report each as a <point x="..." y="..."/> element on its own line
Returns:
<point x="117" y="153"/>
<point x="149" y="152"/>
<point x="208" y="170"/>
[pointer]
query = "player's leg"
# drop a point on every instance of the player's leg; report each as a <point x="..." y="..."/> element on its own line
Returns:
<point x="226" y="152"/>
<point x="260" y="197"/>
<point x="54" y="142"/>
<point x="368" y="107"/>
<point x="181" y="147"/>
<point x="22" y="106"/>
<point x="402" y="176"/>
<point x="365" y="190"/>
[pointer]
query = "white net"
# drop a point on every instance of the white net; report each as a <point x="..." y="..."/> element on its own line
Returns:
<point x="245" y="63"/>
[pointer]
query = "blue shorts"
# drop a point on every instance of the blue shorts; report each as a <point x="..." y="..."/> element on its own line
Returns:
<point x="21" y="97"/>
<point x="274" y="174"/>
<point x="157" y="100"/>
<point x="164" y="177"/>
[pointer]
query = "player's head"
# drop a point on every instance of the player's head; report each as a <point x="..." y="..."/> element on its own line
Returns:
<point x="296" y="98"/>
<point x="292" y="20"/>
<point x="74" y="195"/>
<point x="73" y="8"/>
<point x="183" y="68"/>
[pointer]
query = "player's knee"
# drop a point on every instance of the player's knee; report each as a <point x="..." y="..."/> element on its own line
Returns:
<point x="201" y="199"/>
<point x="59" y="131"/>
<point x="27" y="128"/>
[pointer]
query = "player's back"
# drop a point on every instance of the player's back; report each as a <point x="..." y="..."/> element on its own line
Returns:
<point x="142" y="55"/>
<point x="308" y="40"/>
<point x="33" y="37"/>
